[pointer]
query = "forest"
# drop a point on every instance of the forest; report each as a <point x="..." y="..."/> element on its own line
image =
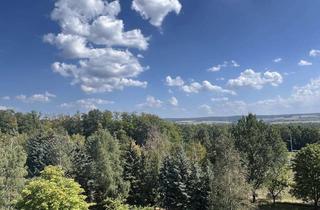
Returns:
<point x="129" y="161"/>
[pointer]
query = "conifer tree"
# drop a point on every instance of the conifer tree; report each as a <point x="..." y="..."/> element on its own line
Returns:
<point x="174" y="179"/>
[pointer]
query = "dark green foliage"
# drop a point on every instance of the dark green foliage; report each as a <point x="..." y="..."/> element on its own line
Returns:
<point x="198" y="188"/>
<point x="48" y="148"/>
<point x="174" y="179"/>
<point x="306" y="167"/>
<point x="134" y="174"/>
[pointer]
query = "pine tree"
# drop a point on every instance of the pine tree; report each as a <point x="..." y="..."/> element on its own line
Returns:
<point x="198" y="188"/>
<point x="174" y="178"/>
<point x="48" y="148"/>
<point x="133" y="173"/>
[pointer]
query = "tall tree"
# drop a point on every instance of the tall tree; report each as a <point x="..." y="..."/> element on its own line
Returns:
<point x="107" y="168"/>
<point x="306" y="167"/>
<point x="12" y="170"/>
<point x="174" y="180"/>
<point x="227" y="178"/>
<point x="261" y="148"/>
<point x="133" y="173"/>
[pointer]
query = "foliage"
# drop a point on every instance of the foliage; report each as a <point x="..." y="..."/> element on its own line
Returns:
<point x="106" y="166"/>
<point x="174" y="178"/>
<point x="306" y="167"/>
<point x="52" y="191"/>
<point x="12" y="170"/>
<point x="227" y="180"/>
<point x="261" y="148"/>
<point x="48" y="148"/>
<point x="278" y="181"/>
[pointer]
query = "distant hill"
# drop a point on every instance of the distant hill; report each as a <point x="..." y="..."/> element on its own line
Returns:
<point x="285" y="118"/>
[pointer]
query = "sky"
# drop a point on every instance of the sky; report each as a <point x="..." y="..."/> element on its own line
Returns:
<point x="173" y="58"/>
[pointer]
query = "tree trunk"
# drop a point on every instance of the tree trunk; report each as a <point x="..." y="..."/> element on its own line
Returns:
<point x="316" y="205"/>
<point x="254" y="197"/>
<point x="274" y="200"/>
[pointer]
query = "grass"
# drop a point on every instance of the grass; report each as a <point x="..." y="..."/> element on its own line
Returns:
<point x="286" y="206"/>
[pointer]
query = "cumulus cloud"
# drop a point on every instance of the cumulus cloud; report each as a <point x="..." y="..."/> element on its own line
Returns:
<point x="256" y="79"/>
<point x="303" y="99"/>
<point x="93" y="36"/>
<point x="86" y="104"/>
<point x="156" y="10"/>
<point x="151" y="102"/>
<point x="173" y="101"/>
<point x="277" y="60"/>
<point x="196" y="87"/>
<point x="314" y="53"/>
<point x="178" y="81"/>
<point x="304" y="63"/>
<point x="225" y="64"/>
<point x="41" y="98"/>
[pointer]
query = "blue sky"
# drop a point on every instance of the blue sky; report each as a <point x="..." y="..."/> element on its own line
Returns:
<point x="174" y="58"/>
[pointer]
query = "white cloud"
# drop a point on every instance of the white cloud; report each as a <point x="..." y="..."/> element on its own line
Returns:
<point x="86" y="104"/>
<point x="178" y="81"/>
<point x="219" y="99"/>
<point x="156" y="10"/>
<point x="314" y="53"/>
<point x="41" y="98"/>
<point x="304" y="63"/>
<point x="277" y="60"/>
<point x="196" y="87"/>
<point x="193" y="87"/>
<point x="256" y="79"/>
<point x="3" y="108"/>
<point x="151" y="102"/>
<point x="92" y="35"/>
<point x="174" y="101"/>
<point x="303" y="99"/>
<point x="6" y="98"/>
<point x="206" y="108"/>
<point x="225" y="64"/>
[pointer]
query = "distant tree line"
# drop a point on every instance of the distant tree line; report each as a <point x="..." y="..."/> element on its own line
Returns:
<point x="105" y="160"/>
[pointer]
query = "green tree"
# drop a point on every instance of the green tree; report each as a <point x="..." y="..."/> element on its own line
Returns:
<point x="198" y="188"/>
<point x="107" y="169"/>
<point x="306" y="167"/>
<point x="28" y="122"/>
<point x="48" y="148"/>
<point x="12" y="170"/>
<point x="174" y="179"/>
<point x="227" y="178"/>
<point x="52" y="191"/>
<point x="278" y="181"/>
<point x="261" y="148"/>
<point x="133" y="173"/>
<point x="8" y="122"/>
